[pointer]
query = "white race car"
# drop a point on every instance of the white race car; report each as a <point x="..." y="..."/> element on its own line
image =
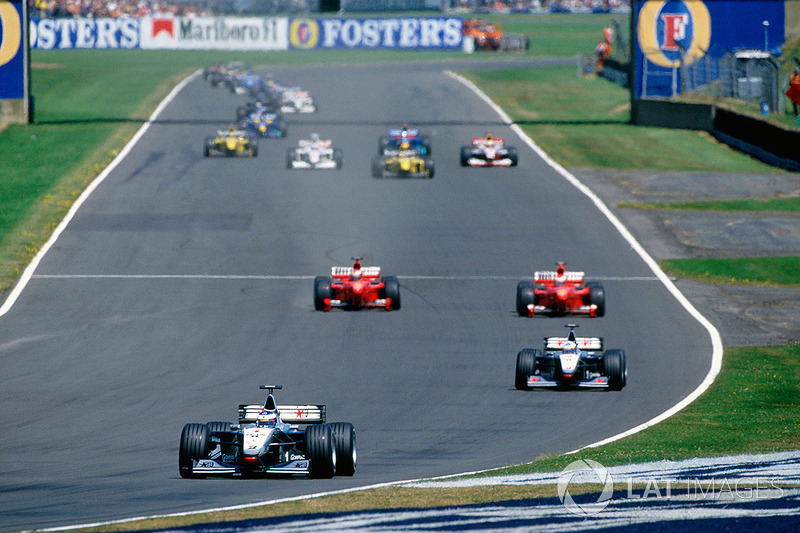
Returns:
<point x="268" y="440"/>
<point x="297" y="100"/>
<point x="488" y="151"/>
<point x="314" y="153"/>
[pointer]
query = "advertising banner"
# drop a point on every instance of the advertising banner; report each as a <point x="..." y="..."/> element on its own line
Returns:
<point x="670" y="34"/>
<point x="215" y="33"/>
<point x="84" y="33"/>
<point x="406" y="33"/>
<point x="13" y="63"/>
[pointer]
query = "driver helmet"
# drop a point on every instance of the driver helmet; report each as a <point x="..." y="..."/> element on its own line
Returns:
<point x="232" y="130"/>
<point x="267" y="419"/>
<point x="569" y="346"/>
<point x="405" y="146"/>
<point x="355" y="274"/>
<point x="489" y="140"/>
<point x="315" y="137"/>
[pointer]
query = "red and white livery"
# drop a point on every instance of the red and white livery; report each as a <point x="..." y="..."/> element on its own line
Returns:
<point x="356" y="287"/>
<point x="488" y="151"/>
<point x="560" y="292"/>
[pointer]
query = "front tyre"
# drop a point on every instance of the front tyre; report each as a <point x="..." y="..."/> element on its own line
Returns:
<point x="615" y="369"/>
<point x="195" y="445"/>
<point x="322" y="292"/>
<point x="344" y="440"/>
<point x="392" y="290"/>
<point x="526" y="364"/>
<point x="525" y="297"/>
<point x="320" y="451"/>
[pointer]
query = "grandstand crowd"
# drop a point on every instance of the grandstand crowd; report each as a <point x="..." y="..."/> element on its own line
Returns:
<point x="112" y="9"/>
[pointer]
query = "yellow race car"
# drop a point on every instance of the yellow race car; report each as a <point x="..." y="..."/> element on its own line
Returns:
<point x="402" y="163"/>
<point x="231" y="143"/>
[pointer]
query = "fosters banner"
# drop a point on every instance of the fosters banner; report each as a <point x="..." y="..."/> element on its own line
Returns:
<point x="667" y="29"/>
<point x="246" y="33"/>
<point x="12" y="51"/>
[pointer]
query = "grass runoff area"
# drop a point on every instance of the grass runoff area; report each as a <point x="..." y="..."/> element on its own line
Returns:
<point x="89" y="103"/>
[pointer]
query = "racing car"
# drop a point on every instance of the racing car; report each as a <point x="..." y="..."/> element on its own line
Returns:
<point x="231" y="143"/>
<point x="263" y="123"/>
<point x="571" y="361"/>
<point x="296" y="100"/>
<point x="268" y="440"/>
<point x="314" y="153"/>
<point x="560" y="292"/>
<point x="255" y="106"/>
<point x="398" y="137"/>
<point x="405" y="162"/>
<point x="488" y="152"/>
<point x="356" y="287"/>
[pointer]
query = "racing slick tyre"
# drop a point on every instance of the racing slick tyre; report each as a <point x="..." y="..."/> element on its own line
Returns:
<point x="289" y="157"/>
<point x="614" y="366"/>
<point x="338" y="158"/>
<point x="282" y="129"/>
<point x="426" y="145"/>
<point x="320" y="451"/>
<point x="392" y="290"/>
<point x="322" y="291"/>
<point x="429" y="168"/>
<point x="207" y="146"/>
<point x="466" y="152"/>
<point x="597" y="296"/>
<point x="241" y="112"/>
<point x="513" y="156"/>
<point x="525" y="297"/>
<point x="344" y="440"/>
<point x="195" y="445"/>
<point x="383" y="142"/>
<point x="377" y="167"/>
<point x="526" y="364"/>
<point x="253" y="149"/>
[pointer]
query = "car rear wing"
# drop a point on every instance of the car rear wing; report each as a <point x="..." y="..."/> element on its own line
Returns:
<point x="498" y="141"/>
<point x="550" y="275"/>
<point x="367" y="272"/>
<point x="291" y="414"/>
<point x="322" y="143"/>
<point x="584" y="343"/>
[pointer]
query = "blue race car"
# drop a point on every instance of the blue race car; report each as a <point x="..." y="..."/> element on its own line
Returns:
<point x="264" y="124"/>
<point x="416" y="141"/>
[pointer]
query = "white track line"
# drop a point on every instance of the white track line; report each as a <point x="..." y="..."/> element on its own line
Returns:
<point x="268" y="277"/>
<point x="29" y="271"/>
<point x="716" y="339"/>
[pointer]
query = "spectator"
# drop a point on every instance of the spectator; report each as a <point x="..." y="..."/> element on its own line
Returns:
<point x="602" y="50"/>
<point x="793" y="92"/>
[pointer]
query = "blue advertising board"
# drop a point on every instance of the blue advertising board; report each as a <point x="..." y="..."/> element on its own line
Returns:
<point x="12" y="50"/>
<point x="404" y="33"/>
<point x="666" y="30"/>
<point x="84" y="33"/>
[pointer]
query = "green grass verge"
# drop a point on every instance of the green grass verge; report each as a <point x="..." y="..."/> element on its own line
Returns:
<point x="774" y="271"/>
<point x="785" y="205"/>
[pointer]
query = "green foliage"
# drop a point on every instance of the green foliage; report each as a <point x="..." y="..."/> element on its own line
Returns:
<point x="786" y="205"/>
<point x="738" y="270"/>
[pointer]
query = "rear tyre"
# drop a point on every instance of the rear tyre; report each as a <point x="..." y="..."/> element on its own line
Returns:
<point x="321" y="451"/>
<point x="338" y="158"/>
<point x="426" y="145"/>
<point x="344" y="440"/>
<point x="526" y="364"/>
<point x="322" y="291"/>
<point x="597" y="296"/>
<point x="289" y="157"/>
<point x="392" y="290"/>
<point x="207" y="146"/>
<point x="615" y="369"/>
<point x="525" y="297"/>
<point x="195" y="445"/>
<point x="254" y="149"/>
<point x="383" y="142"/>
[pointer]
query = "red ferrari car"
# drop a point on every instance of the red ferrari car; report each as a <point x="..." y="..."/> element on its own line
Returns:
<point x="488" y="151"/>
<point x="356" y="287"/>
<point x="560" y="293"/>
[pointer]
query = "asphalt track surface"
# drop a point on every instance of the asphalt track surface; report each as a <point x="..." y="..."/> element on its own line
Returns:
<point x="184" y="283"/>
